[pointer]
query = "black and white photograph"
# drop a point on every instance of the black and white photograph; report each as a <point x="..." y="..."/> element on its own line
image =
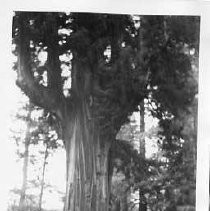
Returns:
<point x="103" y="112"/>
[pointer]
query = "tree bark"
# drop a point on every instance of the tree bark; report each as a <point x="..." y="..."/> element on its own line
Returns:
<point x="124" y="202"/>
<point x="87" y="187"/>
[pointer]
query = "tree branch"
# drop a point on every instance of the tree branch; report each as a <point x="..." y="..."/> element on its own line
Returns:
<point x="40" y="95"/>
<point x="53" y="62"/>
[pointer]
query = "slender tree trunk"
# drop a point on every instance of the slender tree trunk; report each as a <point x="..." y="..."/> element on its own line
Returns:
<point x="195" y="127"/>
<point x="22" y="202"/>
<point x="142" y="198"/>
<point x="87" y="187"/>
<point x="43" y="177"/>
<point x="142" y="130"/>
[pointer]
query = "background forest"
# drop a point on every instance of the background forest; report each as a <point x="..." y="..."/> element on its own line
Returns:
<point x="136" y="79"/>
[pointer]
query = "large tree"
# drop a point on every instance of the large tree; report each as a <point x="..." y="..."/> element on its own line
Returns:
<point x="98" y="68"/>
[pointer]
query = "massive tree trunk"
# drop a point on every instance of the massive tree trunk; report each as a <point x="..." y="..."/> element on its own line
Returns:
<point x="87" y="163"/>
